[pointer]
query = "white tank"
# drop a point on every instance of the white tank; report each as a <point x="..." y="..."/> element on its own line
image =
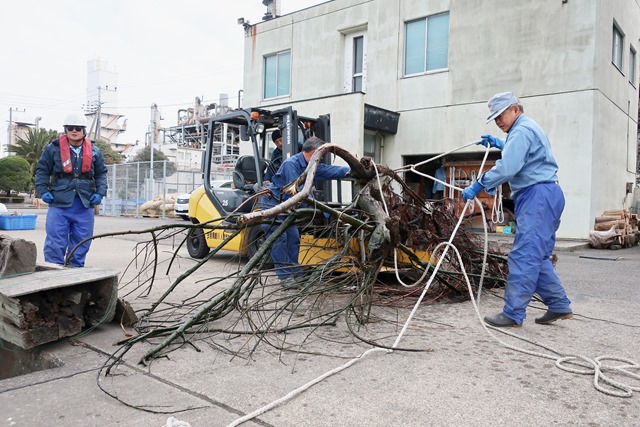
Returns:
<point x="224" y="100"/>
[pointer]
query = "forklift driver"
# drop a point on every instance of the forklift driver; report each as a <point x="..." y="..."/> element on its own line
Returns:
<point x="285" y="250"/>
<point x="276" y="156"/>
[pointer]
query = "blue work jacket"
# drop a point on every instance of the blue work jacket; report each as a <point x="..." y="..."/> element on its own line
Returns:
<point x="50" y="176"/>
<point x="292" y="168"/>
<point x="526" y="159"/>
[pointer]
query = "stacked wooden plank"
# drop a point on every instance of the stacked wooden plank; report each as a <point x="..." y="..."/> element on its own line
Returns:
<point x="55" y="303"/>
<point x="615" y="229"/>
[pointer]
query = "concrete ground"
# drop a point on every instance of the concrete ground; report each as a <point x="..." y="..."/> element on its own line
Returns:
<point x="465" y="375"/>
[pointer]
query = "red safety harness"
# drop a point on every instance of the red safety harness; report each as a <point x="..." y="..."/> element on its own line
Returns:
<point x="65" y="154"/>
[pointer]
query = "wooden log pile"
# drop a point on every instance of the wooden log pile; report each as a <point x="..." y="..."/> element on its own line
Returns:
<point x="158" y="205"/>
<point x="615" y="229"/>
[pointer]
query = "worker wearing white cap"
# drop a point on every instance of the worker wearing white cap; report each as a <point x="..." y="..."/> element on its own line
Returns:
<point x="529" y="167"/>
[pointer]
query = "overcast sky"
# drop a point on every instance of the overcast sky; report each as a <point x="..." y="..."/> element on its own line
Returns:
<point x="164" y="51"/>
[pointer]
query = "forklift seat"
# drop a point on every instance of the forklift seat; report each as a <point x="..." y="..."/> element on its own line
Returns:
<point x="245" y="175"/>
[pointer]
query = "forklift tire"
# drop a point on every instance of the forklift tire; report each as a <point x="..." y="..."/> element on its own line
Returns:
<point x="255" y="240"/>
<point x="197" y="244"/>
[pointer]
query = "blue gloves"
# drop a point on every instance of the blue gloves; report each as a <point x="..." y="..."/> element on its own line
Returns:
<point x="491" y="141"/>
<point x="47" y="197"/>
<point x="95" y="199"/>
<point x="470" y="192"/>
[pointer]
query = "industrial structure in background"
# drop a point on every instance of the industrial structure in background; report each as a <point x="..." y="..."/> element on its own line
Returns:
<point x="17" y="129"/>
<point x="101" y="109"/>
<point x="184" y="142"/>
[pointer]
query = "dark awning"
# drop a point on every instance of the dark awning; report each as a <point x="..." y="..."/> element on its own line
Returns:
<point x="376" y="118"/>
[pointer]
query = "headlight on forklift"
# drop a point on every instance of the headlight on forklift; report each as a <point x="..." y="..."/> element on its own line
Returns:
<point x="258" y="128"/>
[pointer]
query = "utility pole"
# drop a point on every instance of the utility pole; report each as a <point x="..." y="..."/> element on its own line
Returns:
<point x="153" y="136"/>
<point x="10" y="130"/>
<point x="99" y="115"/>
<point x="97" y="134"/>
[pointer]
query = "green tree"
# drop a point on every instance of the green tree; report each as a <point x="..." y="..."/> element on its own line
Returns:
<point x="32" y="147"/>
<point x="144" y="155"/>
<point x="111" y="157"/>
<point x="14" y="174"/>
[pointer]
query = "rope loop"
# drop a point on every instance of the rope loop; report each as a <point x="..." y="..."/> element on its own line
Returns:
<point x="602" y="373"/>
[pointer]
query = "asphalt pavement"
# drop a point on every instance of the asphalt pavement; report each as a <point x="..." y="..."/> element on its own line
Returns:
<point x="450" y="372"/>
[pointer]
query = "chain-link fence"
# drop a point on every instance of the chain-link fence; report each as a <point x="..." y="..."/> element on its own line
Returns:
<point x="131" y="185"/>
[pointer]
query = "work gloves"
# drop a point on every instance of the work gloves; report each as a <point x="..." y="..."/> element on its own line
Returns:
<point x="470" y="192"/>
<point x="491" y="141"/>
<point x="47" y="197"/>
<point x="95" y="199"/>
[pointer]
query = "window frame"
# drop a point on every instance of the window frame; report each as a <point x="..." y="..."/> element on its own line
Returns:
<point x="374" y="138"/>
<point x="617" y="47"/>
<point x="278" y="68"/>
<point x="633" y="55"/>
<point x="350" y="73"/>
<point x="358" y="57"/>
<point x="425" y="45"/>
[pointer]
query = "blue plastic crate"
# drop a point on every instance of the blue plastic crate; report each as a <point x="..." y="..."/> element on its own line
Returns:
<point x="18" y="222"/>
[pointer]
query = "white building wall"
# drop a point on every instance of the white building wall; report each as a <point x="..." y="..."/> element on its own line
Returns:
<point x="554" y="55"/>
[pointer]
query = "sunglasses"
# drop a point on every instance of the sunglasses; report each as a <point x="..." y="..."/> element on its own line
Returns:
<point x="74" y="128"/>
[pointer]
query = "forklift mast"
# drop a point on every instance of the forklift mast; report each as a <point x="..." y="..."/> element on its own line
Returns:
<point x="254" y="122"/>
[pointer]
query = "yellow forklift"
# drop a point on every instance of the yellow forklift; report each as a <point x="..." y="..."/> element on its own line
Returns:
<point x="224" y="204"/>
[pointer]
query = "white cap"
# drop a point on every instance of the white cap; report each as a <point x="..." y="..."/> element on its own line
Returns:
<point x="500" y="102"/>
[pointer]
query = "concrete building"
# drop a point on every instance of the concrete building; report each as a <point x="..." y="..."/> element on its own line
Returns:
<point x="429" y="67"/>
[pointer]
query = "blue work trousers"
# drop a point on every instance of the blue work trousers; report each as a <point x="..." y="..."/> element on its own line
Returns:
<point x="537" y="209"/>
<point x="285" y="251"/>
<point x="66" y="227"/>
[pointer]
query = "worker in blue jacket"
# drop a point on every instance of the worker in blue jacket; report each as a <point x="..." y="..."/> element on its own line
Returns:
<point x="286" y="249"/>
<point x="71" y="177"/>
<point x="529" y="167"/>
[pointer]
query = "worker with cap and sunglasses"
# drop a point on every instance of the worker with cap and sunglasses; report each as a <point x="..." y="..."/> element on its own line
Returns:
<point x="529" y="167"/>
<point x="71" y="177"/>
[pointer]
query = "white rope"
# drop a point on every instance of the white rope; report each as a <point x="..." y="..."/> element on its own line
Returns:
<point x="497" y="212"/>
<point x="591" y="366"/>
<point x="172" y="422"/>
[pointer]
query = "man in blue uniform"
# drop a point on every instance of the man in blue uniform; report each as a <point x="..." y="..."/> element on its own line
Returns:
<point x="285" y="250"/>
<point x="71" y="177"/>
<point x="529" y="167"/>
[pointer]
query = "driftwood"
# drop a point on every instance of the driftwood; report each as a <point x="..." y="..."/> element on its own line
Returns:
<point x="380" y="237"/>
<point x="359" y="169"/>
<point x="606" y="225"/>
<point x="606" y="218"/>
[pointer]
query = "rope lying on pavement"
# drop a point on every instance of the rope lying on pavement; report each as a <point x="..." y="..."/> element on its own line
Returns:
<point x="589" y="366"/>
